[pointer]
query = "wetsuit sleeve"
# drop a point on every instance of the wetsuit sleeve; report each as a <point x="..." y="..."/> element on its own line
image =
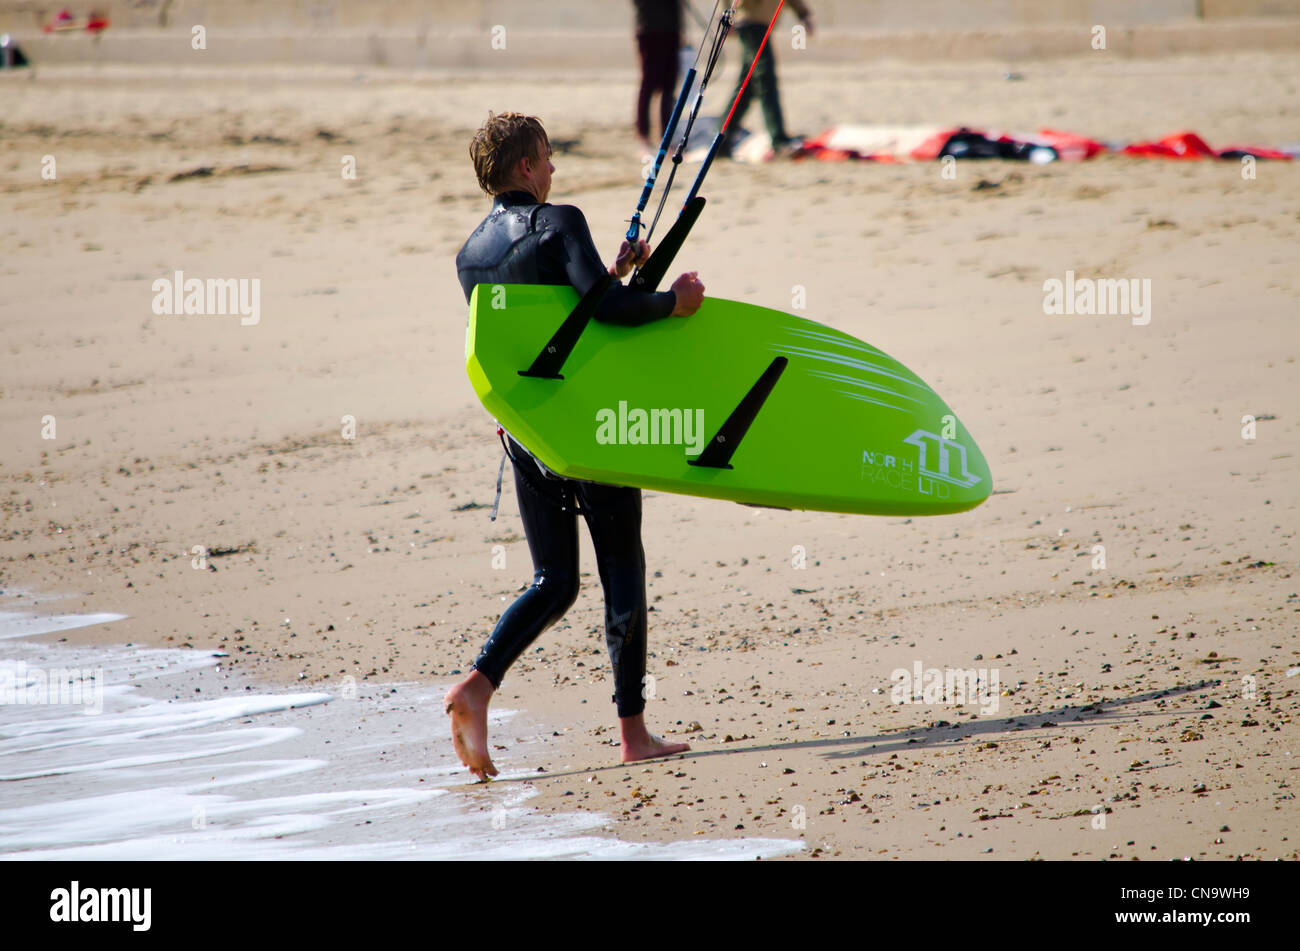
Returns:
<point x="568" y="249"/>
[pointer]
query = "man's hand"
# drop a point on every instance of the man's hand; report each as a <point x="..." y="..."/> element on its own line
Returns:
<point x="690" y="294"/>
<point x="625" y="260"/>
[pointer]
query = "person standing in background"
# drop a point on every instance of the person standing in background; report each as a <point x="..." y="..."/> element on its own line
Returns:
<point x="658" y="37"/>
<point x="752" y="18"/>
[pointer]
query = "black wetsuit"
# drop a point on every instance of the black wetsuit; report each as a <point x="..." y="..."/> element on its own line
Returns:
<point x="522" y="242"/>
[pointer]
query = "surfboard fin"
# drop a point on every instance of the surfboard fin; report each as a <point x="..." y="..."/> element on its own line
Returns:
<point x="550" y="361"/>
<point x="649" y="275"/>
<point x="717" y="454"/>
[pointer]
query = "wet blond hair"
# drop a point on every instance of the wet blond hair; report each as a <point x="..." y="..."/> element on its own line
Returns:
<point x="500" y="143"/>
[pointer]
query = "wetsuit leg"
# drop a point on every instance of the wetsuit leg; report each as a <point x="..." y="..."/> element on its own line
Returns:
<point x="614" y="519"/>
<point x="645" y="49"/>
<point x="667" y="80"/>
<point x="553" y="543"/>
<point x="770" y="94"/>
<point x="658" y="53"/>
<point x="750" y="35"/>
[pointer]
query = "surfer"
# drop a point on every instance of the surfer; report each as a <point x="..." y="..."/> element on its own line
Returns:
<point x="524" y="240"/>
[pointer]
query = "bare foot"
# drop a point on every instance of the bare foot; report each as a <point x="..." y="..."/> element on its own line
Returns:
<point x="639" y="743"/>
<point x="467" y="704"/>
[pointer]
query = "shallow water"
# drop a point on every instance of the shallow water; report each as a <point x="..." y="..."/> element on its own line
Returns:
<point x="189" y="760"/>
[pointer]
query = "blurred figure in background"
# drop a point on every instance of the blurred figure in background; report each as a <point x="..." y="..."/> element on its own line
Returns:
<point x="658" y="37"/>
<point x="752" y="18"/>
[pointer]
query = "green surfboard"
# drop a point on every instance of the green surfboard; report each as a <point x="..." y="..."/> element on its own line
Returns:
<point x="735" y="402"/>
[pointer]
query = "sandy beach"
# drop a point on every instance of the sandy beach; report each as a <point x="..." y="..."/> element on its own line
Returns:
<point x="1145" y="709"/>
